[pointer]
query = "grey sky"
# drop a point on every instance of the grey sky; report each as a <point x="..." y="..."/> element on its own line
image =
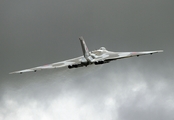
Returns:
<point x="34" y="33"/>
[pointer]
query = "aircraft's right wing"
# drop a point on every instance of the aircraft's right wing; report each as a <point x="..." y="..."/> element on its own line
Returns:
<point x="120" y="55"/>
<point x="75" y="61"/>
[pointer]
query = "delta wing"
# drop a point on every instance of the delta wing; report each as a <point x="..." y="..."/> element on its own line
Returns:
<point x="52" y="66"/>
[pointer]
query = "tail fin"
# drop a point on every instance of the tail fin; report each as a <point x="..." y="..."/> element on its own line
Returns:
<point x="84" y="47"/>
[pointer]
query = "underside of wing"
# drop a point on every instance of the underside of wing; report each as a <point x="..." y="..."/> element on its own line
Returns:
<point x="52" y="66"/>
<point x="121" y="55"/>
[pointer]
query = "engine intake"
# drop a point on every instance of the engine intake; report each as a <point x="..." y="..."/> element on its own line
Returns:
<point x="75" y="66"/>
<point x="99" y="62"/>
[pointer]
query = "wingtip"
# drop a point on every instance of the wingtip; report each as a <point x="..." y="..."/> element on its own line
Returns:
<point x="12" y="73"/>
<point x="160" y="50"/>
<point x="16" y="72"/>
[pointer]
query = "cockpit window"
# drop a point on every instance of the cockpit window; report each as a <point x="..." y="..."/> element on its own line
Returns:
<point x="102" y="48"/>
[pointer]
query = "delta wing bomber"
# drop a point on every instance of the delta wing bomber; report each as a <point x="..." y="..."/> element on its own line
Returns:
<point x="96" y="57"/>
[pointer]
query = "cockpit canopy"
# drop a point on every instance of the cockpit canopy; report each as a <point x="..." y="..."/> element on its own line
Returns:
<point x="102" y="48"/>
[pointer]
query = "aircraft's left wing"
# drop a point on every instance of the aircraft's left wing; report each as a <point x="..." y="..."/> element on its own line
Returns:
<point x="52" y="66"/>
<point x="121" y="55"/>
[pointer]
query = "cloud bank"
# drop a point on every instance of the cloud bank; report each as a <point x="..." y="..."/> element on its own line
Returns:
<point x="89" y="93"/>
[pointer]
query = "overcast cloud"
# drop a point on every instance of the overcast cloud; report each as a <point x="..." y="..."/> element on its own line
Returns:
<point x="34" y="33"/>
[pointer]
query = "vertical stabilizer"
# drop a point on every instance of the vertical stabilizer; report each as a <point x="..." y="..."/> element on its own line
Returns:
<point x="84" y="47"/>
